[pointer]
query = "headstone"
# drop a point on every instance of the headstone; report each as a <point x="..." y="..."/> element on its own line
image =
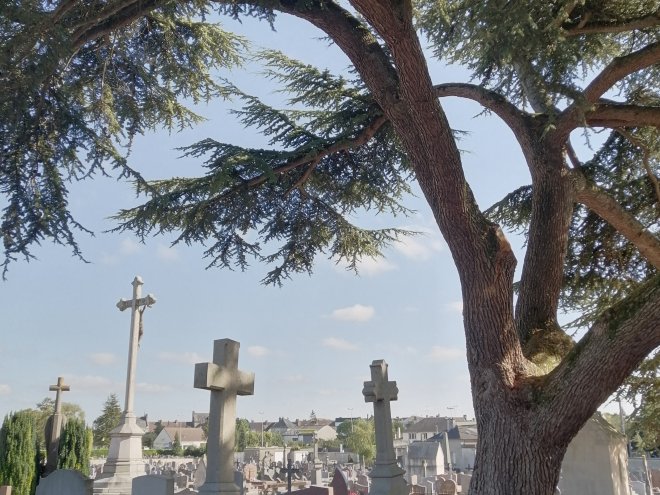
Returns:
<point x="125" y="453"/>
<point x="200" y="474"/>
<point x="223" y="378"/>
<point x="181" y="481"/>
<point x="55" y="423"/>
<point x="386" y="476"/>
<point x="153" y="484"/>
<point x="447" y="487"/>
<point x="339" y="483"/>
<point x="363" y="479"/>
<point x="5" y="490"/>
<point x="316" y="490"/>
<point x="430" y="486"/>
<point x="412" y="479"/>
<point x="464" y="481"/>
<point x="417" y="490"/>
<point x="65" y="481"/>
<point x="238" y="479"/>
<point x="250" y="472"/>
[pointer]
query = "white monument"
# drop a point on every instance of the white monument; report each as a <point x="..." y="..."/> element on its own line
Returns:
<point x="386" y="476"/>
<point x="125" y="454"/>
<point x="225" y="381"/>
<point x="54" y="427"/>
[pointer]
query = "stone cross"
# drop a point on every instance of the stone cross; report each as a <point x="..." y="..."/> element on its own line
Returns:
<point x="225" y="381"/>
<point x="56" y="423"/>
<point x="136" y="315"/>
<point x="386" y="476"/>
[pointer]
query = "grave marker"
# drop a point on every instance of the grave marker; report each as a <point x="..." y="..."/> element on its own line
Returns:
<point x="386" y="476"/>
<point x="65" y="481"/>
<point x="56" y="422"/>
<point x="225" y="381"/>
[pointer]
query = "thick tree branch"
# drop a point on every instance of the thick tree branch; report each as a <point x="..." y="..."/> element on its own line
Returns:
<point x="614" y="346"/>
<point x="312" y="158"/>
<point x="493" y="101"/>
<point x="614" y="115"/>
<point x="606" y="207"/>
<point x="648" y="21"/>
<point x="615" y="71"/>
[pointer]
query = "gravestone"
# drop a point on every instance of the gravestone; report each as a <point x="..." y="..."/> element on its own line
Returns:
<point x="54" y="427"/>
<point x="250" y="472"/>
<point x="153" y="484"/>
<point x="412" y="479"/>
<point x="363" y="479"/>
<point x="65" y="481"/>
<point x="200" y="473"/>
<point x="181" y="481"/>
<point x="316" y="490"/>
<point x="464" y="481"/>
<point x="417" y="490"/>
<point x="339" y="483"/>
<point x="5" y="490"/>
<point x="447" y="487"/>
<point x="225" y="381"/>
<point x="238" y="479"/>
<point x="386" y="476"/>
<point x="430" y="486"/>
<point x="360" y="488"/>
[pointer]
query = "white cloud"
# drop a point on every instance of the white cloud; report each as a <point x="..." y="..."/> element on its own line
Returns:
<point x="5" y="389"/>
<point x="128" y="246"/>
<point x="103" y="358"/>
<point x="152" y="388"/>
<point x="420" y="247"/>
<point x="454" y="306"/>
<point x="258" y="351"/>
<point x="357" y="312"/>
<point x="339" y="344"/>
<point x="370" y="267"/>
<point x="87" y="382"/>
<point x="166" y="253"/>
<point x="294" y="378"/>
<point x="181" y="357"/>
<point x="441" y="353"/>
<point x="109" y="259"/>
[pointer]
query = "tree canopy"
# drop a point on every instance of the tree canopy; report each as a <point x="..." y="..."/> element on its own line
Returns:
<point x="83" y="81"/>
<point x="108" y="420"/>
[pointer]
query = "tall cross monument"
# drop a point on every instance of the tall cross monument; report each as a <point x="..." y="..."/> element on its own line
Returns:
<point x="125" y="454"/>
<point x="225" y="381"/>
<point x="54" y="428"/>
<point x="386" y="476"/>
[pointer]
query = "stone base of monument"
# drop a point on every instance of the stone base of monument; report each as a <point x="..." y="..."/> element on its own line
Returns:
<point x="387" y="479"/>
<point x="217" y="488"/>
<point x="124" y="460"/>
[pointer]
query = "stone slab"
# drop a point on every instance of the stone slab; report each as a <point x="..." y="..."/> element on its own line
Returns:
<point x="65" y="481"/>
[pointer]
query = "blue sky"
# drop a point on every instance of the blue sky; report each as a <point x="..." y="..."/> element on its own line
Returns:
<point x="309" y="343"/>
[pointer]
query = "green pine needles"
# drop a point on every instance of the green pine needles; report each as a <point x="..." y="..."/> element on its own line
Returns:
<point x="18" y="453"/>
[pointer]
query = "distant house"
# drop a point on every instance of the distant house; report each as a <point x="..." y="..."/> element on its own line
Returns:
<point x="188" y="437"/>
<point x="303" y="431"/>
<point x="425" y="428"/>
<point x="199" y="419"/>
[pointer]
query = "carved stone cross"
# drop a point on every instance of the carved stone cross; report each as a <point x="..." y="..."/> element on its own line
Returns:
<point x="55" y="426"/>
<point x="386" y="476"/>
<point x="225" y="381"/>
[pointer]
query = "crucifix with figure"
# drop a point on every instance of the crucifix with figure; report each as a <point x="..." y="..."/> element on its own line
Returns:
<point x="125" y="453"/>
<point x="386" y="476"/>
<point x="54" y="427"/>
<point x="225" y="381"/>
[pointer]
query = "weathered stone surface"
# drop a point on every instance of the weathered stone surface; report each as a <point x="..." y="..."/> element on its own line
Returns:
<point x="65" y="481"/>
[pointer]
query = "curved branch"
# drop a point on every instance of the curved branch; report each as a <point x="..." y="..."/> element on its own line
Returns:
<point x="614" y="115"/>
<point x="614" y="346"/>
<point x="616" y="70"/>
<point x="607" y="208"/>
<point x="648" y="21"/>
<point x="495" y="102"/>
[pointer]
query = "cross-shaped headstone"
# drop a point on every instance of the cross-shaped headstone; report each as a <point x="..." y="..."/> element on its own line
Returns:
<point x="225" y="381"/>
<point x="387" y="476"/>
<point x="55" y="425"/>
<point x="380" y="391"/>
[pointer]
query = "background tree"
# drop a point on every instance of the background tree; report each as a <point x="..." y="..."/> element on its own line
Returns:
<point x="75" y="446"/>
<point x="18" y="452"/>
<point x="361" y="439"/>
<point x="46" y="408"/>
<point x="547" y="69"/>
<point x="108" y="420"/>
<point x="177" y="448"/>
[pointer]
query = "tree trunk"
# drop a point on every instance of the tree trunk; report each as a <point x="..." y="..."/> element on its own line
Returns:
<point x="511" y="459"/>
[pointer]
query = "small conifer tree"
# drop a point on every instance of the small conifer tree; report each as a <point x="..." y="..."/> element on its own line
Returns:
<point x="75" y="446"/>
<point x="18" y="453"/>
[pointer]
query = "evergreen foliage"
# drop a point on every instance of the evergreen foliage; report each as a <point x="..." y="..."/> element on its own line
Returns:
<point x="177" y="448"/>
<point x="108" y="420"/>
<point x="75" y="446"/>
<point x="18" y="453"/>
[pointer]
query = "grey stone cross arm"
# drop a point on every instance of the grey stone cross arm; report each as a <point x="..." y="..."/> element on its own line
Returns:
<point x="143" y="301"/>
<point x="211" y="376"/>
<point x="59" y="388"/>
<point x="379" y="388"/>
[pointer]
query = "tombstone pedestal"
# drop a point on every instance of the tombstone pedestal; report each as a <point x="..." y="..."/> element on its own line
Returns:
<point x="220" y="487"/>
<point x="124" y="459"/>
<point x="387" y="480"/>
